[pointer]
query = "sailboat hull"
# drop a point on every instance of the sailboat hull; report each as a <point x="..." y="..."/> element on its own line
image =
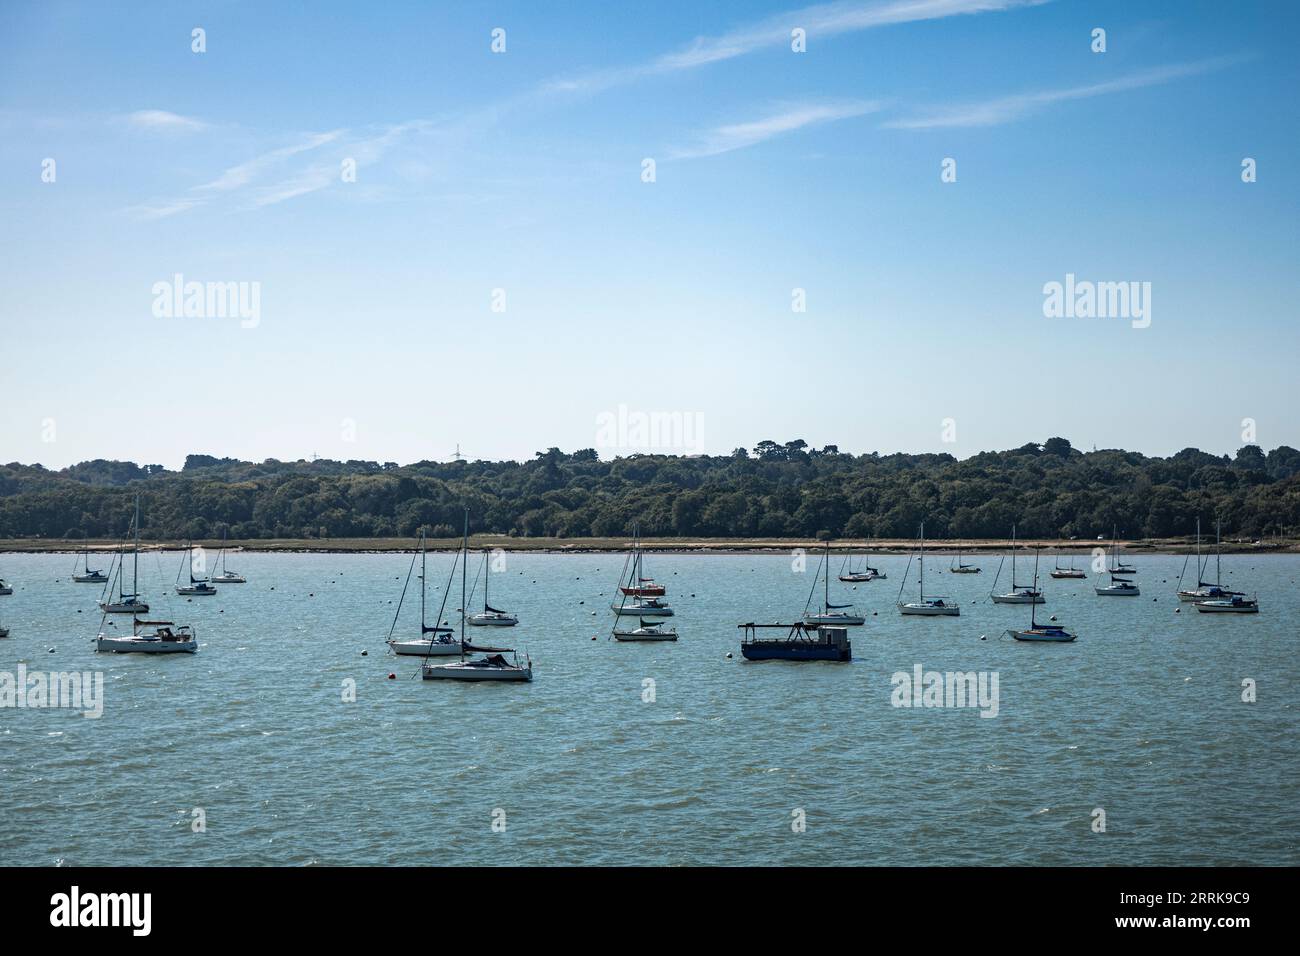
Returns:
<point x="965" y="570"/>
<point x="6" y="590"/>
<point x="492" y="620"/>
<point x="470" y="672"/>
<point x="859" y="578"/>
<point x="1226" y="607"/>
<point x="1118" y="592"/>
<point x="1068" y="574"/>
<point x="425" y="648"/>
<point x="196" y="591"/>
<point x="231" y="578"/>
<point x="834" y="620"/>
<point x="644" y="636"/>
<point x="930" y="610"/>
<point x="634" y="610"/>
<point x="144" y="645"/>
<point x="1019" y="597"/>
<point x="125" y="607"/>
<point x="1044" y="635"/>
<point x="90" y="578"/>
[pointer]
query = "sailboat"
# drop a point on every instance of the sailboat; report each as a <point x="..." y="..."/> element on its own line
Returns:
<point x="1059" y="572"/>
<point x="852" y="576"/>
<point x="88" y="576"/>
<point x="1120" y="567"/>
<point x="832" y="615"/>
<point x="1017" y="594"/>
<point x="491" y="616"/>
<point x="127" y="603"/>
<point x="960" y="568"/>
<point x="637" y="585"/>
<point x="198" y="587"/>
<point x="433" y="641"/>
<point x="161" y="640"/>
<point x="226" y="576"/>
<point x="1218" y="599"/>
<point x="1041" y="632"/>
<point x="647" y="631"/>
<point x="643" y="591"/>
<point x="1119" y="586"/>
<point x="493" y="666"/>
<point x="1204" y="590"/>
<point x="5" y="588"/>
<point x="927" y="607"/>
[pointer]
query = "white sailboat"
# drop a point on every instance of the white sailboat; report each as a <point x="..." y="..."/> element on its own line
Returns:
<point x="198" y="587"/>
<point x="127" y="603"/>
<point x="1119" y="586"/>
<point x="647" y="631"/>
<point x="1051" y="633"/>
<point x="830" y="615"/>
<point x="87" y="576"/>
<point x="1017" y="594"/>
<point x="491" y="616"/>
<point x="162" y="639"/>
<point x="493" y="665"/>
<point x="5" y="588"/>
<point x="923" y="606"/>
<point x="433" y="641"/>
<point x="646" y="597"/>
<point x="225" y="575"/>
<point x="1119" y="567"/>
<point x="1204" y="590"/>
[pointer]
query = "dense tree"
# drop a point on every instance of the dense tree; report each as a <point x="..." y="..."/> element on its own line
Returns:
<point x="784" y="490"/>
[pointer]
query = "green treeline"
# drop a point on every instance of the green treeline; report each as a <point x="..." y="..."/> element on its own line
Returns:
<point x="775" y="490"/>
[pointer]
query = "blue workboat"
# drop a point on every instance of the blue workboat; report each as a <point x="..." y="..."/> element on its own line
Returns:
<point x="802" y="642"/>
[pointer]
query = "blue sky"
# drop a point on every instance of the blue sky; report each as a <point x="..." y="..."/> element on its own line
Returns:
<point x="522" y="171"/>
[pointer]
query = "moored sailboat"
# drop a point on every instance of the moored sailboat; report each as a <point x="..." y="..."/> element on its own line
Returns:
<point x="1119" y="586"/>
<point x="493" y="666"/>
<point x="923" y="606"/>
<point x="647" y="631"/>
<point x="1059" y="572"/>
<point x="225" y="575"/>
<point x="645" y="593"/>
<point x="962" y="568"/>
<point x="87" y="575"/>
<point x="127" y="603"/>
<point x="161" y="640"/>
<point x="1049" y="633"/>
<point x="833" y="615"/>
<point x="198" y="587"/>
<point x="1017" y="594"/>
<point x="1204" y="590"/>
<point x="433" y="641"/>
<point x="491" y="616"/>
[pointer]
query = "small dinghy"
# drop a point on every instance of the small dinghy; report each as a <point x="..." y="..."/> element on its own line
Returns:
<point x="800" y="643"/>
<point x="923" y="606"/>
<point x="1237" y="604"/>
<point x="5" y="588"/>
<point x="647" y="632"/>
<point x="1050" y="633"/>
<point x="161" y="640"/>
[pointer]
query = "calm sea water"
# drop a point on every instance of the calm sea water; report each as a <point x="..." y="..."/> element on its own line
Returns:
<point x="1142" y="717"/>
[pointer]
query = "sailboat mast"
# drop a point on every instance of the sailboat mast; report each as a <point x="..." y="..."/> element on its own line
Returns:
<point x="424" y="564"/>
<point x="464" y="555"/>
<point x="135" y="570"/>
<point x="826" y="593"/>
<point x="1013" y="557"/>
<point x="922" y="562"/>
<point x="1218" y="550"/>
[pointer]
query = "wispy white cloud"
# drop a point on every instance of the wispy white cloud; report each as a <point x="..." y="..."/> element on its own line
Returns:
<point x="724" y="139"/>
<point x="1006" y="109"/>
<point x="820" y="21"/>
<point x="164" y="121"/>
<point x="244" y="173"/>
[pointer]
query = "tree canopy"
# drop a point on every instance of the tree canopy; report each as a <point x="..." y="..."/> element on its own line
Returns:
<point x="777" y="490"/>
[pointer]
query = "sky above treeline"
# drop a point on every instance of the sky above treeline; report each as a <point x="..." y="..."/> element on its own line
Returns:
<point x="677" y="227"/>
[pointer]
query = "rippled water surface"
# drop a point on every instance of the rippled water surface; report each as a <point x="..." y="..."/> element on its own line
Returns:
<point x="1142" y="716"/>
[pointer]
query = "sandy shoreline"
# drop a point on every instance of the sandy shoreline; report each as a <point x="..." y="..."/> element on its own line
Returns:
<point x="658" y="545"/>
